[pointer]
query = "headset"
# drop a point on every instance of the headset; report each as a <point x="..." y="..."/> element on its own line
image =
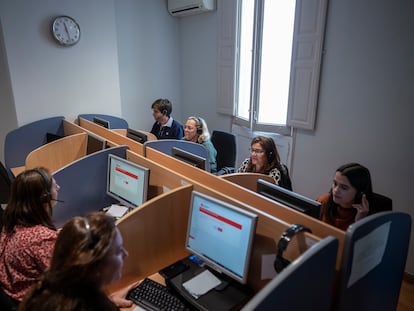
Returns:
<point x="199" y="126"/>
<point x="47" y="197"/>
<point x="280" y="262"/>
<point x="270" y="157"/>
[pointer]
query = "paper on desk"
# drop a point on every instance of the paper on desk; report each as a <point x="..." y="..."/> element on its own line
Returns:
<point x="201" y="284"/>
<point x="117" y="210"/>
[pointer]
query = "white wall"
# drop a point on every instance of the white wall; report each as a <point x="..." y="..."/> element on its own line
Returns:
<point x="48" y="79"/>
<point x="132" y="51"/>
<point x="149" y="59"/>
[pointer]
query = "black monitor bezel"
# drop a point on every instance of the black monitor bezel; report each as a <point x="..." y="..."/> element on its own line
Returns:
<point x="189" y="158"/>
<point x="137" y="135"/>
<point x="102" y="122"/>
<point x="289" y="198"/>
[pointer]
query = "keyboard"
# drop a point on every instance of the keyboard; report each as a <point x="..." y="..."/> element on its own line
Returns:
<point x="154" y="296"/>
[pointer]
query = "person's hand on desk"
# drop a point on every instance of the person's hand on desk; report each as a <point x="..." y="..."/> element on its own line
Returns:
<point x="118" y="298"/>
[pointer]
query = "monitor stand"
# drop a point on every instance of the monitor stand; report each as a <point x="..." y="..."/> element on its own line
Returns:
<point x="230" y="295"/>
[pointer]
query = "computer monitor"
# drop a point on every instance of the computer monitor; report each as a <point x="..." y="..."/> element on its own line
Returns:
<point x="289" y="198"/>
<point x="127" y="182"/>
<point x="188" y="157"/>
<point x="101" y="122"/>
<point x="138" y="136"/>
<point x="221" y="235"/>
<point x="95" y="144"/>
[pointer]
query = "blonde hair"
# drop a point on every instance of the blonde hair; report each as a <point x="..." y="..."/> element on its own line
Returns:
<point x="201" y="124"/>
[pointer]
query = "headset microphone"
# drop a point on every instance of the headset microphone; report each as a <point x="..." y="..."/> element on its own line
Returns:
<point x="57" y="200"/>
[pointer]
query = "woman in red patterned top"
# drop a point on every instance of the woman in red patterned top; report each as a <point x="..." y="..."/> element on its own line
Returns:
<point x="28" y="235"/>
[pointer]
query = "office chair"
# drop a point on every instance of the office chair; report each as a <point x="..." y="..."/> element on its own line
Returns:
<point x="5" y="184"/>
<point x="225" y="144"/>
<point x="373" y="262"/>
<point x="380" y="203"/>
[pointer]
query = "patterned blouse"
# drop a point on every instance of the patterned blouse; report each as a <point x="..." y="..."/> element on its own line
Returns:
<point x="274" y="172"/>
<point x="24" y="256"/>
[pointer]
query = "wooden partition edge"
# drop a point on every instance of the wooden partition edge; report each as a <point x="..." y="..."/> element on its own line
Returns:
<point x="113" y="136"/>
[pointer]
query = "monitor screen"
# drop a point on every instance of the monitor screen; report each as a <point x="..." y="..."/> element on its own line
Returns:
<point x="127" y="182"/>
<point x="101" y="122"/>
<point x="289" y="198"/>
<point x="138" y="136"/>
<point x="188" y="157"/>
<point x="221" y="234"/>
<point x="95" y="144"/>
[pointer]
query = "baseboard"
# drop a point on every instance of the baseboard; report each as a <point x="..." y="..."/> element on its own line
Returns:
<point x="409" y="278"/>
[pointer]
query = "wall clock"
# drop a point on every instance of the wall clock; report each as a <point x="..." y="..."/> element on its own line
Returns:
<point x="65" y="30"/>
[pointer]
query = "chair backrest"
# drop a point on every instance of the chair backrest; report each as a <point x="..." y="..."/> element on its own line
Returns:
<point x="166" y="145"/>
<point x="380" y="203"/>
<point x="247" y="180"/>
<point x="114" y="122"/>
<point x="294" y="287"/>
<point x="373" y="262"/>
<point x="5" y="184"/>
<point x="225" y="144"/>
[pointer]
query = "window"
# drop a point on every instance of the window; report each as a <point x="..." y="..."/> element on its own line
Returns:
<point x="264" y="92"/>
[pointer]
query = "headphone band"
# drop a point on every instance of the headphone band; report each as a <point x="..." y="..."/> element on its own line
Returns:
<point x="46" y="183"/>
<point x="280" y="263"/>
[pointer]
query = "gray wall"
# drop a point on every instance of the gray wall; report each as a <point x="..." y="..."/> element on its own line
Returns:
<point x="132" y="51"/>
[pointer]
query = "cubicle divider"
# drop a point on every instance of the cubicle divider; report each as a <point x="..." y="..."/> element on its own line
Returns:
<point x="83" y="185"/>
<point x="154" y="235"/>
<point x="58" y="153"/>
<point x="113" y="136"/>
<point x="22" y="140"/>
<point x="268" y="231"/>
<point x="230" y="191"/>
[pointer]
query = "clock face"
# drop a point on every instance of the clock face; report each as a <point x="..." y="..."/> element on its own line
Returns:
<point x="65" y="30"/>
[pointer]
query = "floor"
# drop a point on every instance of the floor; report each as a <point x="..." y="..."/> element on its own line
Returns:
<point x="406" y="301"/>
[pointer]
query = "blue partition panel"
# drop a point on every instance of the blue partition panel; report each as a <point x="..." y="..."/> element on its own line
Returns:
<point x="114" y="122"/>
<point x="373" y="262"/>
<point x="306" y="284"/>
<point x="165" y="146"/>
<point x="83" y="185"/>
<point x="21" y="141"/>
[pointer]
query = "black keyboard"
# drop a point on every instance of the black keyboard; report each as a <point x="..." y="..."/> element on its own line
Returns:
<point x="154" y="296"/>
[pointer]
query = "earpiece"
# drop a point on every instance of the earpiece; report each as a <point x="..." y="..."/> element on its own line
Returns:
<point x="199" y="127"/>
<point x="47" y="197"/>
<point x="280" y="262"/>
<point x="270" y="157"/>
<point x="164" y="112"/>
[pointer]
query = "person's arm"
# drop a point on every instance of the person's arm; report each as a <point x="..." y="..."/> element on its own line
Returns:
<point x="362" y="208"/>
<point x="119" y="297"/>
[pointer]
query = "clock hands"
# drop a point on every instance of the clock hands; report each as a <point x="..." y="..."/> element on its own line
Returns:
<point x="67" y="30"/>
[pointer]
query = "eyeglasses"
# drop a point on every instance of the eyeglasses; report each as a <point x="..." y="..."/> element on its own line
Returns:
<point x="257" y="151"/>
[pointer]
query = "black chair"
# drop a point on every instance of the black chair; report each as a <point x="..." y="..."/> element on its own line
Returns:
<point x="5" y="184"/>
<point x="7" y="303"/>
<point x="380" y="203"/>
<point x="225" y="144"/>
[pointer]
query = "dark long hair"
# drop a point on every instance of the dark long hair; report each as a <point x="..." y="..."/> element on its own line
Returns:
<point x="29" y="203"/>
<point x="359" y="177"/>
<point x="272" y="155"/>
<point x="73" y="280"/>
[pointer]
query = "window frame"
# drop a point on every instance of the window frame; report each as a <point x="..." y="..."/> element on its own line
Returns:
<point x="307" y="52"/>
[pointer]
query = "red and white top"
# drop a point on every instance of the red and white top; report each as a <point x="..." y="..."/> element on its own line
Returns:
<point x="24" y="256"/>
